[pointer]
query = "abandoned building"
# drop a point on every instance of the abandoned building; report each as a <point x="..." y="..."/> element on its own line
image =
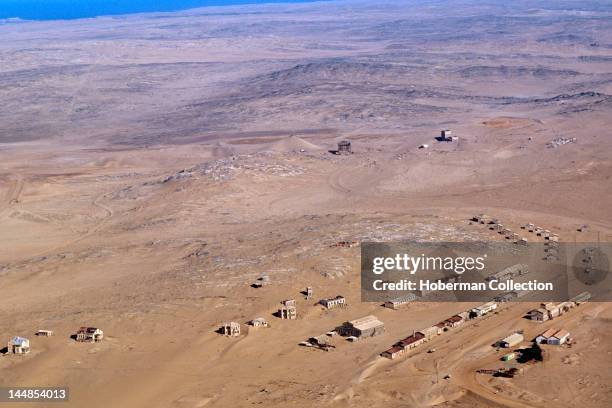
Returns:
<point x="581" y="298"/>
<point x="509" y="272"/>
<point x="512" y="340"/>
<point x="338" y="301"/>
<point x="287" y="313"/>
<point x="552" y="310"/>
<point x="231" y="329"/>
<point x="510" y="296"/>
<point x="430" y="332"/>
<point x="288" y="303"/>
<point x="543" y="338"/>
<point x="539" y="315"/>
<point x="321" y="342"/>
<point x="44" y="333"/>
<point x="483" y="309"/>
<point x="344" y="147"/>
<point x="451" y="322"/>
<point x="19" y="345"/>
<point x="261" y="281"/>
<point x="89" y="334"/>
<point x="288" y="310"/>
<point x="559" y="338"/>
<point x="368" y="326"/>
<point x="446" y="135"/>
<point x="344" y="244"/>
<point x="480" y="218"/>
<point x="400" y="301"/>
<point x="259" y="322"/>
<point x="410" y="342"/>
<point x="393" y="353"/>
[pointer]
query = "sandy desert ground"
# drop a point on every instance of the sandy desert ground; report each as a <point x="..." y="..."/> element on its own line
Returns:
<point x="153" y="166"/>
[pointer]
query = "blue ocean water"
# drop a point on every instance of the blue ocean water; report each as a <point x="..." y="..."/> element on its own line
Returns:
<point x="71" y="9"/>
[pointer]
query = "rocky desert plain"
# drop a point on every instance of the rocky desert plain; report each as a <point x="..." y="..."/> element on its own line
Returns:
<point x="153" y="166"/>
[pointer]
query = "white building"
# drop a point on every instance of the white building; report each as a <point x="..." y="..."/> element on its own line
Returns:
<point x="19" y="345"/>
<point x="259" y="322"/>
<point x="483" y="309"/>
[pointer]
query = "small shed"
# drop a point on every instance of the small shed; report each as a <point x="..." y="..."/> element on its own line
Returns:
<point x="288" y="303"/>
<point x="309" y="292"/>
<point x="259" y="322"/>
<point x="446" y="135"/>
<point x="44" y="333"/>
<point x="344" y="147"/>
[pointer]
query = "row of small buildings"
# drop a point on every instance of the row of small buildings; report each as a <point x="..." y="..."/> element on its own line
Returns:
<point x="554" y="337"/>
<point x="419" y="337"/>
<point x="287" y="311"/>
<point x="21" y="345"/>
<point x="495" y="225"/>
<point x="550" y="310"/>
<point x="541" y="232"/>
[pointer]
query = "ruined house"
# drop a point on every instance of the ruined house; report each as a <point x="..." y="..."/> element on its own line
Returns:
<point x="89" y="334"/>
<point x="344" y="147"/>
<point x="400" y="301"/>
<point x="231" y="329"/>
<point x="19" y="345"/>
<point x="288" y="310"/>
<point x="259" y="322"/>
<point x="338" y="301"/>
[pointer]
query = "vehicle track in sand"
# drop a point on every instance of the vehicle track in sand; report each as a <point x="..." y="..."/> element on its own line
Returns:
<point x="109" y="213"/>
<point x="12" y="196"/>
<point x="361" y="182"/>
